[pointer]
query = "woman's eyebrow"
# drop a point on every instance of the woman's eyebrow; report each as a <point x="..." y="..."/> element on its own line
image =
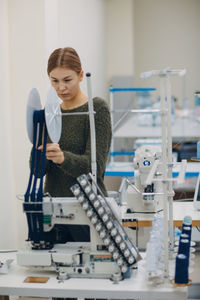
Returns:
<point x="67" y="77"/>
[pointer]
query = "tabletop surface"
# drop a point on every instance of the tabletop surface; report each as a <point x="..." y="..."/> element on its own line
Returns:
<point x="180" y="210"/>
<point x="135" y="287"/>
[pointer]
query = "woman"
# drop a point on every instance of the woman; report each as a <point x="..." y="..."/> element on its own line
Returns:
<point x="72" y="156"/>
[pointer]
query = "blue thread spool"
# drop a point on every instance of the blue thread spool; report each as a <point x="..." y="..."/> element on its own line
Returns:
<point x="181" y="271"/>
<point x="184" y="247"/>
<point x="187" y="220"/>
<point x="184" y="236"/>
<point x="187" y="230"/>
<point x="198" y="150"/>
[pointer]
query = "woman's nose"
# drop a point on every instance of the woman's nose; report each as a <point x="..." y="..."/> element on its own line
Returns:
<point x="61" y="86"/>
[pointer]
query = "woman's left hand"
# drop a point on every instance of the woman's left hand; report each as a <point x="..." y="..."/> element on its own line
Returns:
<point x="54" y="153"/>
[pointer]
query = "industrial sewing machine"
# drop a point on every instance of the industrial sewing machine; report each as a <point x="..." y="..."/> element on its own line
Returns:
<point x="81" y="236"/>
<point x="107" y="253"/>
<point x="140" y="196"/>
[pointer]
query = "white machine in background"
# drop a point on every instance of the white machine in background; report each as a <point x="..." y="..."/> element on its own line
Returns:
<point x="164" y="178"/>
<point x="197" y="194"/>
<point x="141" y="197"/>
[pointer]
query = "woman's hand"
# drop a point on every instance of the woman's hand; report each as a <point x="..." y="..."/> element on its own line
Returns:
<point x="54" y="153"/>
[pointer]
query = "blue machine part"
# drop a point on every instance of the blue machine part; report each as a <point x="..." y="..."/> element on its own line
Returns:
<point x="33" y="200"/>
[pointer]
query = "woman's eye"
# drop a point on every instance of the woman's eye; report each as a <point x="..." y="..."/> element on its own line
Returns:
<point x="67" y="80"/>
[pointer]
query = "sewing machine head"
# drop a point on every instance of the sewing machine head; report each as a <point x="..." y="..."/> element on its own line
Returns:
<point x="144" y="158"/>
<point x="142" y="196"/>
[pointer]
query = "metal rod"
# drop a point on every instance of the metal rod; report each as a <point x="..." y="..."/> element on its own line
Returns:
<point x="92" y="130"/>
<point x="164" y="171"/>
<point x="119" y="121"/>
<point x="169" y="152"/>
<point x="58" y="114"/>
<point x="164" y="72"/>
<point x="136" y="110"/>
<point x="112" y="125"/>
<point x="127" y="112"/>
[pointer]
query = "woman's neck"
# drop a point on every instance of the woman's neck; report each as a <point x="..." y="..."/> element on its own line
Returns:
<point x="79" y="100"/>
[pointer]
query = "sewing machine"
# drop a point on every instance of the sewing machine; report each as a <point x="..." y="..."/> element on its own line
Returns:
<point x="139" y="196"/>
<point x="76" y="237"/>
<point x="107" y="251"/>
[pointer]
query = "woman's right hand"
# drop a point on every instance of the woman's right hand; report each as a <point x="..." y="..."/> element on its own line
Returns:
<point x="53" y="152"/>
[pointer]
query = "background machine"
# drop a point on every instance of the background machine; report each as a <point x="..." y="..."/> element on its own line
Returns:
<point x="141" y="196"/>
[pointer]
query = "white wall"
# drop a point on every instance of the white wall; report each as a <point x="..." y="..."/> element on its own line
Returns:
<point x="120" y="38"/>
<point x="7" y="184"/>
<point x="167" y="35"/>
<point x="81" y="25"/>
<point x="36" y="28"/>
<point x="27" y="70"/>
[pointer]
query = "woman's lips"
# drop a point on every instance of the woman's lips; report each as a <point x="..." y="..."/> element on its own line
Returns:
<point x="63" y="95"/>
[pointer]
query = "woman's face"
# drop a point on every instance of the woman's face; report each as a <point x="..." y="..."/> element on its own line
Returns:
<point x="66" y="82"/>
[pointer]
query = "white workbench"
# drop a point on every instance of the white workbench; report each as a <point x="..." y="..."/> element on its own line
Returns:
<point x="182" y="127"/>
<point x="180" y="210"/>
<point x="135" y="287"/>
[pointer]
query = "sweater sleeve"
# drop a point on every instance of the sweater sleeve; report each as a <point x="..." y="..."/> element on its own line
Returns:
<point x="75" y="165"/>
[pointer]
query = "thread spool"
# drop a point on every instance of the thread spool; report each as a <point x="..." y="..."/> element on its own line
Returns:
<point x="184" y="248"/>
<point x="181" y="271"/>
<point x="182" y="258"/>
<point x="187" y="220"/>
<point x="187" y="230"/>
<point x="184" y="236"/>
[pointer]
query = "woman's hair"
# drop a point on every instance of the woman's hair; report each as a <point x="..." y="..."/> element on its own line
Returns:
<point x="64" y="57"/>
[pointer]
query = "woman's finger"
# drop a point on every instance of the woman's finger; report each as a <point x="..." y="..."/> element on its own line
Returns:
<point x="52" y="154"/>
<point x="53" y="147"/>
<point x="49" y="146"/>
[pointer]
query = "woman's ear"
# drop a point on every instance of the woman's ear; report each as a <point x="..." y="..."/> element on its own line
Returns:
<point x="81" y="75"/>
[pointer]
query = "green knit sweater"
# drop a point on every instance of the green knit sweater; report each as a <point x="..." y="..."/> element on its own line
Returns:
<point x="75" y="143"/>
